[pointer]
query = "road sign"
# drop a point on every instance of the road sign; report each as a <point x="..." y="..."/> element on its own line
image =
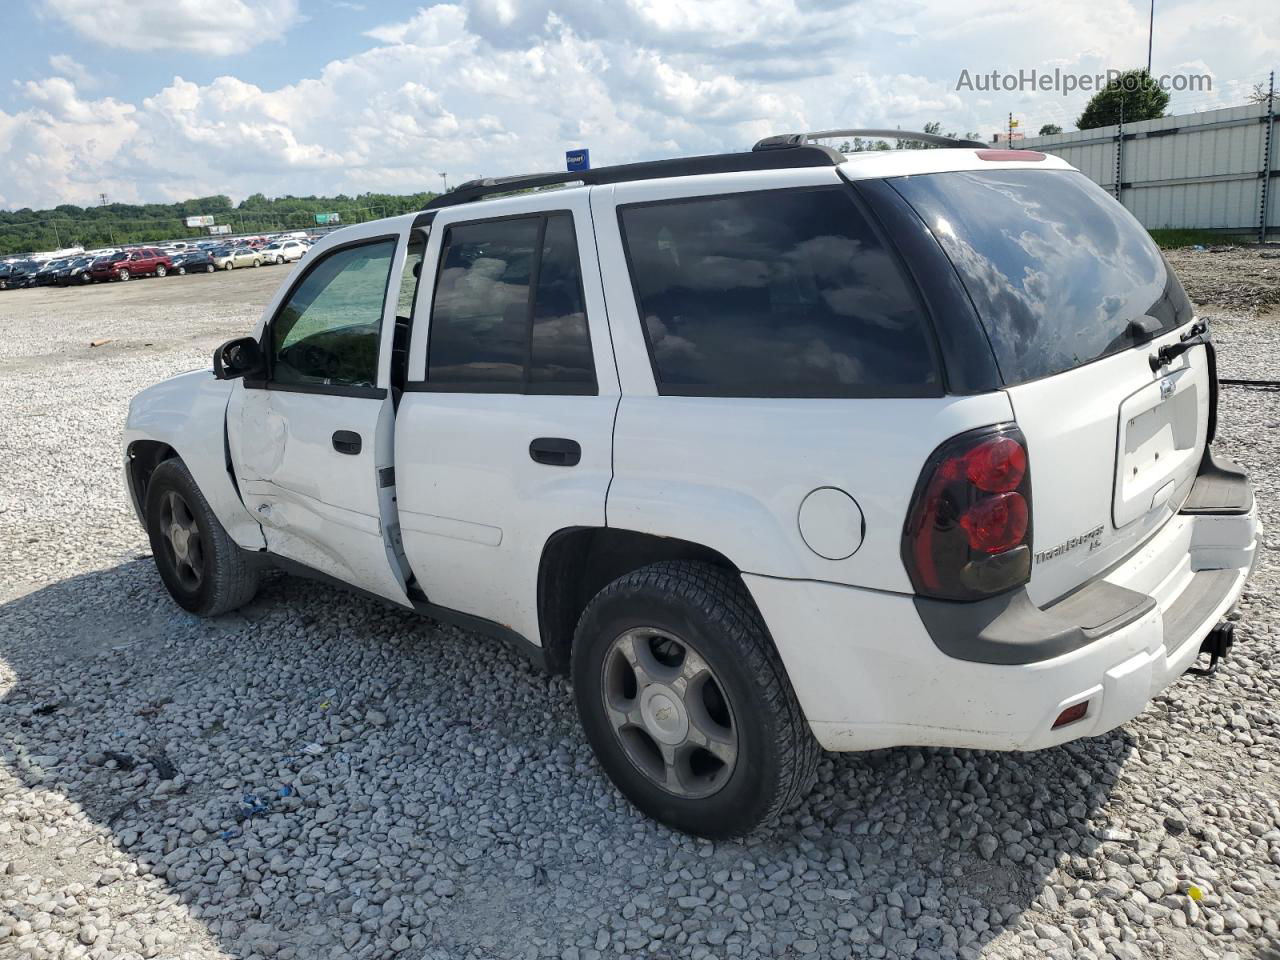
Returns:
<point x="575" y="160"/>
<point x="328" y="218"/>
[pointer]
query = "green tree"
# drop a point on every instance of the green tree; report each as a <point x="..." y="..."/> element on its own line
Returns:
<point x="1050" y="128"/>
<point x="1131" y="96"/>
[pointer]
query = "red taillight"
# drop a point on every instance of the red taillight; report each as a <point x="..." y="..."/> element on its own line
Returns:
<point x="997" y="523"/>
<point x="968" y="533"/>
<point x="996" y="465"/>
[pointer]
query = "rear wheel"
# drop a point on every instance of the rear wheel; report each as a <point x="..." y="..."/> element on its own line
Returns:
<point x="202" y="568"/>
<point x="257" y="262"/>
<point x="228" y="265"/>
<point x="208" y="268"/>
<point x="160" y="270"/>
<point x="279" y="260"/>
<point x="182" y="271"/>
<point x="686" y="703"/>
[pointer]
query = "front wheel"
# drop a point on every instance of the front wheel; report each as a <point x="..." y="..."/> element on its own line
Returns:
<point x="257" y="262"/>
<point x="182" y="271"/>
<point x="202" y="568"/>
<point x="160" y="270"/>
<point x="208" y="268"/>
<point x="123" y="274"/>
<point x="228" y="265"/>
<point x="686" y="703"/>
<point x="279" y="260"/>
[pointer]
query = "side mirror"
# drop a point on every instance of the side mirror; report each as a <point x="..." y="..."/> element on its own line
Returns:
<point x="238" y="358"/>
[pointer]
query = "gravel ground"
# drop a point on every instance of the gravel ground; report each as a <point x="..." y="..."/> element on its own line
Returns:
<point x="319" y="777"/>
<point x="1230" y="278"/>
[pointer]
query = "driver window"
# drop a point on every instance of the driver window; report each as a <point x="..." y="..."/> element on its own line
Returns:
<point x="329" y="329"/>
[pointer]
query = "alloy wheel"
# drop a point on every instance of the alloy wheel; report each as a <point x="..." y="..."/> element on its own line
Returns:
<point x="183" y="546"/>
<point x="669" y="712"/>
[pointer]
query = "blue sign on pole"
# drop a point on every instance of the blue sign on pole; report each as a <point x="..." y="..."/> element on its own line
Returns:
<point x="575" y="160"/>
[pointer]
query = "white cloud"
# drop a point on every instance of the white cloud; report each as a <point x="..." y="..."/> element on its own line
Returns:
<point x="490" y="87"/>
<point x="68" y="66"/>
<point x="197" y="26"/>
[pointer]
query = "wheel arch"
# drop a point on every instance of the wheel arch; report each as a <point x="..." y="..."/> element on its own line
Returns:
<point x="577" y="562"/>
<point x="141" y="459"/>
<point x="185" y="417"/>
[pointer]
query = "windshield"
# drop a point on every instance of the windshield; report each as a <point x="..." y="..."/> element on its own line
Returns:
<point x="1056" y="268"/>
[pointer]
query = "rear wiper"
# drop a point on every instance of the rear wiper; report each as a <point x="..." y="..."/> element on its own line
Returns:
<point x="1194" y="337"/>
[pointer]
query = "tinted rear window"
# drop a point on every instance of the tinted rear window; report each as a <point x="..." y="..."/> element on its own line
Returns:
<point x="1055" y="266"/>
<point x="787" y="293"/>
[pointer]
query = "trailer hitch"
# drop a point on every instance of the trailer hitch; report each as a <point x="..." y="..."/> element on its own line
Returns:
<point x="1217" y="644"/>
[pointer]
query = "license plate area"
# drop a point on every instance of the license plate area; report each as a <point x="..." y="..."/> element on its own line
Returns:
<point x="1156" y="445"/>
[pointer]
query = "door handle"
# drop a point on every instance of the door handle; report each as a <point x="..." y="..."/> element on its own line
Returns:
<point x="555" y="451"/>
<point x="347" y="441"/>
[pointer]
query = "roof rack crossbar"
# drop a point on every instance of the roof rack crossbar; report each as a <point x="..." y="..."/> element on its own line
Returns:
<point x="805" y="155"/>
<point x="786" y="140"/>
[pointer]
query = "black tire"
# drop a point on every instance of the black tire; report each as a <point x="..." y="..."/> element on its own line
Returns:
<point x="160" y="270"/>
<point x="257" y="262"/>
<point x="228" y="265"/>
<point x="208" y="268"/>
<point x="712" y="613"/>
<point x="122" y="274"/>
<point x="181" y="271"/>
<point x="226" y="576"/>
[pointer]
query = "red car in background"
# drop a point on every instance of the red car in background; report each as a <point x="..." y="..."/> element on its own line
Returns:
<point x="127" y="264"/>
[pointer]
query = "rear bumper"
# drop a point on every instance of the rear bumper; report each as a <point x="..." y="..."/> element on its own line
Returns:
<point x="869" y="673"/>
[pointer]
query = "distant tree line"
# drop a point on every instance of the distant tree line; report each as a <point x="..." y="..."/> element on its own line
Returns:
<point x="113" y="224"/>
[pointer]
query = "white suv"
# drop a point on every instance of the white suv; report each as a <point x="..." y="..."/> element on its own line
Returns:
<point x="747" y="445"/>
<point x="283" y="251"/>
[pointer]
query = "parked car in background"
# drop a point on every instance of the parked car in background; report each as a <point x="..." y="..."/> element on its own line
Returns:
<point x="282" y="251"/>
<point x="75" y="270"/>
<point x="193" y="261"/>
<point x="47" y="275"/>
<point x="228" y="258"/>
<point x="18" y="274"/>
<point x="144" y="262"/>
<point x="104" y="268"/>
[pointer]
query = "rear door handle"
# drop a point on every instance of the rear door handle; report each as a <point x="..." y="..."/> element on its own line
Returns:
<point x="555" y="451"/>
<point x="347" y="441"/>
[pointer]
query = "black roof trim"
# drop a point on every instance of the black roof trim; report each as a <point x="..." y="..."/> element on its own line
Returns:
<point x="789" y="140"/>
<point x="804" y="155"/>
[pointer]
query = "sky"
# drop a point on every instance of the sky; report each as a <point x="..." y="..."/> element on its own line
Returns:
<point x="161" y="100"/>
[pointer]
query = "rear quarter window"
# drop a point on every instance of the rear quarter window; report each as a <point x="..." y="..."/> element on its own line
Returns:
<point x="786" y="293"/>
<point x="1056" y="268"/>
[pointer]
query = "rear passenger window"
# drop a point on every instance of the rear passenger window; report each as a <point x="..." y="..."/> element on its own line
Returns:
<point x="508" y="314"/>
<point x="780" y="294"/>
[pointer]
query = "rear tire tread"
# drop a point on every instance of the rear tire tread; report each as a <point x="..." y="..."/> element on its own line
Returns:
<point x="720" y="595"/>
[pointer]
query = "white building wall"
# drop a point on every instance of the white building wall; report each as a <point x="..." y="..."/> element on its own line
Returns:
<point x="1200" y="170"/>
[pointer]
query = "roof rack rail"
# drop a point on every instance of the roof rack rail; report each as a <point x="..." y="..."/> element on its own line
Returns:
<point x="804" y="155"/>
<point x="786" y="140"/>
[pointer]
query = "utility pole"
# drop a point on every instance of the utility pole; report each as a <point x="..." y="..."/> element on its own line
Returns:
<point x="57" y="240"/>
<point x="1151" y="30"/>
<point x="102" y="199"/>
<point x="444" y="177"/>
